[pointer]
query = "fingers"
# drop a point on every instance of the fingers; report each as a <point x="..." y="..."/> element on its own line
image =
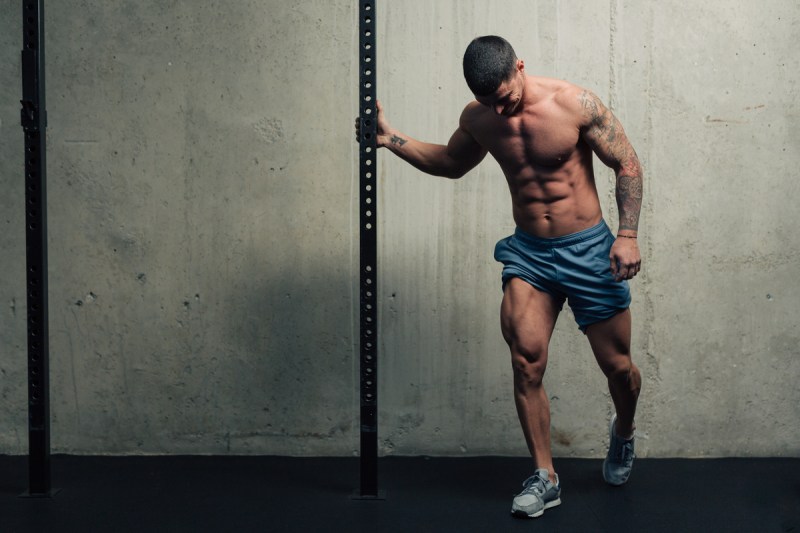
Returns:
<point x="625" y="259"/>
<point x="379" y="108"/>
<point x="622" y="271"/>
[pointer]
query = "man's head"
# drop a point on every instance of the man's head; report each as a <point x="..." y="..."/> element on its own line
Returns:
<point x="488" y="62"/>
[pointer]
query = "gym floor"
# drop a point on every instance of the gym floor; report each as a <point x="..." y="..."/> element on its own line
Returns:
<point x="277" y="494"/>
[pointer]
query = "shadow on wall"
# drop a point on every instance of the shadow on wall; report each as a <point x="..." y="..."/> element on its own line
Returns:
<point x="185" y="321"/>
<point x="290" y="384"/>
<point x="255" y="363"/>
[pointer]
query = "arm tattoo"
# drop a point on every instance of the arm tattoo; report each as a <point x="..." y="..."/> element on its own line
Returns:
<point x="606" y="136"/>
<point x="602" y="124"/>
<point x="399" y="141"/>
<point x="589" y="104"/>
<point x="629" y="201"/>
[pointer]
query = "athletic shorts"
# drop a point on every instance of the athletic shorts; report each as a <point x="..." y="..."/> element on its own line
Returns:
<point x="574" y="267"/>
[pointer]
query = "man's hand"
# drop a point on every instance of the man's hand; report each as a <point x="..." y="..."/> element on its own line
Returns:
<point x="384" y="137"/>
<point x="625" y="258"/>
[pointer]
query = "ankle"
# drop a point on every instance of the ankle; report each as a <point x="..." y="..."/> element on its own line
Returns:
<point x="624" y="433"/>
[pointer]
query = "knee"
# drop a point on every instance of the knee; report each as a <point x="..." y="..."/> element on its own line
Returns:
<point x="529" y="362"/>
<point x="625" y="374"/>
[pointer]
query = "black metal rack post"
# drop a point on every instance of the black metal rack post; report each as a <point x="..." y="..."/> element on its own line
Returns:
<point x="368" y="254"/>
<point x="34" y="124"/>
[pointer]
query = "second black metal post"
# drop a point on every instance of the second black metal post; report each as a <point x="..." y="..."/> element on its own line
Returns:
<point x="368" y="254"/>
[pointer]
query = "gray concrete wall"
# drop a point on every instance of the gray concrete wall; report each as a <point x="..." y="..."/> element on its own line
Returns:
<point x="203" y="237"/>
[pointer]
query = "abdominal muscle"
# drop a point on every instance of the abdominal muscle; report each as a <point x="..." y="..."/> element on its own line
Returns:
<point x="553" y="203"/>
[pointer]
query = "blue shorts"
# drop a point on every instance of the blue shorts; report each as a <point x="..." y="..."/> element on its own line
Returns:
<point x="574" y="267"/>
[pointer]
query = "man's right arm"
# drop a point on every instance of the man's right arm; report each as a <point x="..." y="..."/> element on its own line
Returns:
<point x="460" y="155"/>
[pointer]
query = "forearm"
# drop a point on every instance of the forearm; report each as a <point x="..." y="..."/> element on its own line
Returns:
<point x="427" y="157"/>
<point x="629" y="198"/>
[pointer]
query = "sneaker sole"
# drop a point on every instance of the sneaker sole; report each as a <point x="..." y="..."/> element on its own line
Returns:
<point x="519" y="513"/>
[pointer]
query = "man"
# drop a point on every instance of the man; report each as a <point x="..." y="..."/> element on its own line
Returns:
<point x="542" y="132"/>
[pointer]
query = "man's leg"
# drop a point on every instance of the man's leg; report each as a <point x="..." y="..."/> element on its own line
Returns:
<point x="611" y="344"/>
<point x="528" y="317"/>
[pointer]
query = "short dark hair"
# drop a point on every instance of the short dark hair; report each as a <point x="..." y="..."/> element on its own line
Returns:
<point x="488" y="62"/>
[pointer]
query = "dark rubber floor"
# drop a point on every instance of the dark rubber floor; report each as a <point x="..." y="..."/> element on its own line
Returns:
<point x="276" y="494"/>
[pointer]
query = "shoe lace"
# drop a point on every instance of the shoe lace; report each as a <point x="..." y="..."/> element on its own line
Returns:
<point x="623" y="451"/>
<point x="533" y="485"/>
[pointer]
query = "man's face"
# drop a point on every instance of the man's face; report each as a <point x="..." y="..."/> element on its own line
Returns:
<point x="507" y="99"/>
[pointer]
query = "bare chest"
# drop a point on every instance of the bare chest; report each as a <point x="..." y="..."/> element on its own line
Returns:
<point x="535" y="139"/>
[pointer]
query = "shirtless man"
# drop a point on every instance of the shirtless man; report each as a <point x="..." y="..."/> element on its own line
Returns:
<point x="542" y="132"/>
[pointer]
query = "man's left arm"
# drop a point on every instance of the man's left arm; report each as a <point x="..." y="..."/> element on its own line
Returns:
<point x="604" y="133"/>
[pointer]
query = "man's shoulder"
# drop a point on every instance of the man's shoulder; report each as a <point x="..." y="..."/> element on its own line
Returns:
<point x="473" y="108"/>
<point x="472" y="112"/>
<point x="565" y="93"/>
<point x="573" y="99"/>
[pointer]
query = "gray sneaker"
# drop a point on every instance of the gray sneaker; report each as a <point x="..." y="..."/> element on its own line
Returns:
<point x="619" y="460"/>
<point x="538" y="494"/>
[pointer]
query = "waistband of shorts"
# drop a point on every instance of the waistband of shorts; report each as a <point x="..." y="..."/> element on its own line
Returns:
<point x="565" y="240"/>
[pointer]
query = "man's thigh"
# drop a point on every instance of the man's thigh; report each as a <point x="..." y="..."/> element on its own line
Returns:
<point x="528" y="315"/>
<point x="611" y="340"/>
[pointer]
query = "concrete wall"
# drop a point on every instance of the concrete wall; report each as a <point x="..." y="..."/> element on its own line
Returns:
<point x="203" y="237"/>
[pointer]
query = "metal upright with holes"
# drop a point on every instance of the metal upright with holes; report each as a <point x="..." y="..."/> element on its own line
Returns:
<point x="368" y="253"/>
<point x="34" y="124"/>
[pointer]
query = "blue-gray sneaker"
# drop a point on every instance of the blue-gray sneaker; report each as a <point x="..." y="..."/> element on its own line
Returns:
<point x="619" y="460"/>
<point x="538" y="494"/>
